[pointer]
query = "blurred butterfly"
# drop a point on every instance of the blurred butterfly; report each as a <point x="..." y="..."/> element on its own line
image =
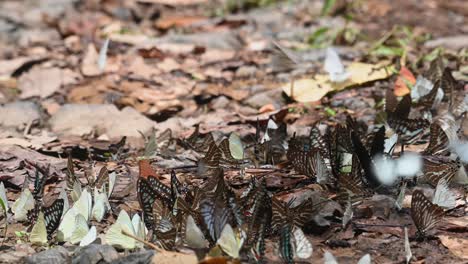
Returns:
<point x="283" y="59"/>
<point x="198" y="141"/>
<point x="164" y="227"/>
<point x="408" y="253"/>
<point x="424" y="213"/>
<point x="334" y="67"/>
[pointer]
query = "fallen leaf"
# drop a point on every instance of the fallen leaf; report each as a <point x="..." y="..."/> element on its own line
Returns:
<point x="310" y="90"/>
<point x="404" y="79"/>
<point x="90" y="63"/>
<point x="43" y="82"/>
<point x="458" y="246"/>
<point x="177" y="21"/>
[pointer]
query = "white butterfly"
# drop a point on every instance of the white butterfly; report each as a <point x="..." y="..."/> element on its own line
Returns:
<point x="271" y="125"/>
<point x="302" y="246"/>
<point x="80" y="230"/>
<point x="101" y="204"/>
<point x="443" y="196"/>
<point x="103" y="55"/>
<point x="461" y="149"/>
<point x="115" y="237"/>
<point x="408" y="252"/>
<point x="38" y="235"/>
<point x="401" y="196"/>
<point x="22" y="205"/>
<point x="89" y="238"/>
<point x="81" y="207"/>
<point x="3" y="197"/>
<point x="235" y="146"/>
<point x="334" y="67"/>
<point x="328" y="258"/>
<point x="231" y="242"/>
<point x="193" y="235"/>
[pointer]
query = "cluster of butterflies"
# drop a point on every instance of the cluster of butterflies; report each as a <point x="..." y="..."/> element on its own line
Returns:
<point x="351" y="160"/>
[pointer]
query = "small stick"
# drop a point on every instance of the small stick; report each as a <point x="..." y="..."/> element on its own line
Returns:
<point x="151" y="245"/>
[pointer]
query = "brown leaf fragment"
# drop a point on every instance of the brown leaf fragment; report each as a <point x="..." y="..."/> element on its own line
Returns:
<point x="458" y="246"/>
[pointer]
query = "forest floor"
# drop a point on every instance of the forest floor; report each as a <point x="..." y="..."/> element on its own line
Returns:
<point x="79" y="77"/>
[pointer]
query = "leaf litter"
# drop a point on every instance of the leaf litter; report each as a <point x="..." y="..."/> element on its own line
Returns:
<point x="204" y="156"/>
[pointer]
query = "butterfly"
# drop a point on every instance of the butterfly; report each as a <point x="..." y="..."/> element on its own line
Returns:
<point x="302" y="247"/>
<point x="210" y="161"/>
<point x="443" y="196"/>
<point x="164" y="227"/>
<point x="135" y="227"/>
<point x="23" y="205"/>
<point x="48" y="219"/>
<point x="231" y="241"/>
<point x="83" y="207"/>
<point x="438" y="167"/>
<point x="198" y="141"/>
<point x="334" y="67"/>
<point x="283" y="213"/>
<point x="424" y="213"/>
<point x="286" y="250"/>
<point x="283" y="59"/>
<point x="438" y="141"/>
<point x="328" y="258"/>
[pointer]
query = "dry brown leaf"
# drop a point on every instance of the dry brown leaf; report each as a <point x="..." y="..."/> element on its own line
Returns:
<point x="43" y="82"/>
<point x="178" y="21"/>
<point x="458" y="246"/>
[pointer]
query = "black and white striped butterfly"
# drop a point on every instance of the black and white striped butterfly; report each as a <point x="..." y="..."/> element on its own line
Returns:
<point x="52" y="215"/>
<point x="425" y="214"/>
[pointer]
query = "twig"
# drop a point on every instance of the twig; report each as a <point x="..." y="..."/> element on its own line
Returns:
<point x="151" y="245"/>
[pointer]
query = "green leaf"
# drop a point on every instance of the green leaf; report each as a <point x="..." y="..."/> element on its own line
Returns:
<point x="330" y="111"/>
<point x="327" y="7"/>
<point x="388" y="51"/>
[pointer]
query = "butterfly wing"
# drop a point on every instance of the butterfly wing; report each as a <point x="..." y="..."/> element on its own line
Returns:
<point x="52" y="215"/>
<point x="425" y="214"/>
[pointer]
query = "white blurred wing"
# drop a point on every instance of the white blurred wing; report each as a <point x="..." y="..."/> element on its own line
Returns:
<point x="114" y="235"/>
<point x="334" y="67"/>
<point x="235" y="146"/>
<point x="366" y="259"/>
<point x="3" y="196"/>
<point x="328" y="258"/>
<point x="22" y="205"/>
<point x="408" y="165"/>
<point x="193" y="235"/>
<point x="229" y="242"/>
<point x="81" y="229"/>
<point x="303" y="247"/>
<point x="385" y="170"/>
<point x="38" y="234"/>
<point x="89" y="238"/>
<point x="443" y="196"/>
